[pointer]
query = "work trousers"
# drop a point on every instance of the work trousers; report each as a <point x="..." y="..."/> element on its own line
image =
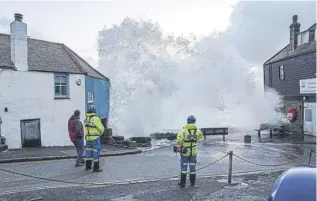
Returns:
<point x="188" y="161"/>
<point x="79" y="144"/>
<point x="93" y="150"/>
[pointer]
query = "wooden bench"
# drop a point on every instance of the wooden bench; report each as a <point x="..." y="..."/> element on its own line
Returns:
<point x="215" y="131"/>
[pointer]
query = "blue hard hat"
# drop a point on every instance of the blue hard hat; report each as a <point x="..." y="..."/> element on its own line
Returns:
<point x="191" y="119"/>
<point x="91" y="109"/>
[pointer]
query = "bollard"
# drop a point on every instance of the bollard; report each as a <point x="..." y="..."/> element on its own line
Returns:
<point x="247" y="139"/>
<point x="230" y="166"/>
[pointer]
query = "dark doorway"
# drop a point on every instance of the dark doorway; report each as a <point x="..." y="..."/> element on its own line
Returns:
<point x="30" y="133"/>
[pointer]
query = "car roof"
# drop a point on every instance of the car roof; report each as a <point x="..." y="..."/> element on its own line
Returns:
<point x="297" y="183"/>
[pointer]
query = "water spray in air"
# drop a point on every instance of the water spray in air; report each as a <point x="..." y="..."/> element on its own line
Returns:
<point x="157" y="81"/>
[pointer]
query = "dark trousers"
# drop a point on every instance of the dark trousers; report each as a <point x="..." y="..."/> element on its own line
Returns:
<point x="79" y="144"/>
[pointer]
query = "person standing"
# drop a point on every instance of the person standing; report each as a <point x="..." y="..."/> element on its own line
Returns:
<point x="76" y="134"/>
<point x="93" y="129"/>
<point x="187" y="139"/>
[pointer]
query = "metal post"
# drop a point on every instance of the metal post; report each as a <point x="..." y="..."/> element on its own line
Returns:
<point x="0" y="129"/>
<point x="310" y="153"/>
<point x="230" y="167"/>
<point x="223" y="138"/>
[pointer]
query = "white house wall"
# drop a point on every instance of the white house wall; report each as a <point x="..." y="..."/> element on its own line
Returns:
<point x="30" y="95"/>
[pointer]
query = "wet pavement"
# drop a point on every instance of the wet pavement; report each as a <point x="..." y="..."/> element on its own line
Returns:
<point x="254" y="187"/>
<point x="159" y="163"/>
<point x="51" y="153"/>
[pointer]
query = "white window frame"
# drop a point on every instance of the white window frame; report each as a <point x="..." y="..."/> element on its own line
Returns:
<point x="58" y="83"/>
<point x="281" y="72"/>
<point x="90" y="97"/>
<point x="311" y="114"/>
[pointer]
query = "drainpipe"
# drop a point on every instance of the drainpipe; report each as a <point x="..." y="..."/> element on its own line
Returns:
<point x="303" y="116"/>
<point x="0" y="129"/>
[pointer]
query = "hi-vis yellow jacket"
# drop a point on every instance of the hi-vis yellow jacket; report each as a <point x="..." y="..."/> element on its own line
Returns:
<point x="93" y="127"/>
<point x="188" y="137"/>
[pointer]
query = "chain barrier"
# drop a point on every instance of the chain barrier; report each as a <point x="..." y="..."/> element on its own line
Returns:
<point x="105" y="183"/>
<point x="155" y="178"/>
<point x="272" y="165"/>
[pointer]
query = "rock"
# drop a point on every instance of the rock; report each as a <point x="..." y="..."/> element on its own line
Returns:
<point x="133" y="144"/>
<point x="3" y="140"/>
<point x="118" y="138"/>
<point x="247" y="139"/>
<point x="142" y="141"/>
<point x="160" y="136"/>
<point x="3" y="147"/>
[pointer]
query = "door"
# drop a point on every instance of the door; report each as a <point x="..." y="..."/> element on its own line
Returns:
<point x="30" y="133"/>
<point x="310" y="118"/>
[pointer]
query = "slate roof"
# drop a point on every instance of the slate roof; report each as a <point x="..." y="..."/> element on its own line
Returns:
<point x="48" y="57"/>
<point x="287" y="53"/>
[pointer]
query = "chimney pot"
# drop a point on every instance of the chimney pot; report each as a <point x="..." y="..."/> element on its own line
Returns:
<point x="18" y="17"/>
<point x="295" y="18"/>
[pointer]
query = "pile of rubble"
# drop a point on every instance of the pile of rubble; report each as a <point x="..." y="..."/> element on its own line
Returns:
<point x="134" y="142"/>
<point x="131" y="142"/>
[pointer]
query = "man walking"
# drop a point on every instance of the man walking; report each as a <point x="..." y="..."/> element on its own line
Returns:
<point x="93" y="129"/>
<point x="76" y="134"/>
<point x="187" y="140"/>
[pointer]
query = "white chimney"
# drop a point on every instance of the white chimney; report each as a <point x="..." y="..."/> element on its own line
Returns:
<point x="19" y="43"/>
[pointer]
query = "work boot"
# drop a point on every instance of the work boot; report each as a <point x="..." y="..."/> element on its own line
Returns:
<point x="182" y="181"/>
<point x="97" y="167"/>
<point x="88" y="164"/>
<point x="192" y="178"/>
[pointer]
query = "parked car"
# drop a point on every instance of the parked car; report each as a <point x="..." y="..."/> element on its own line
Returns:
<point x="295" y="184"/>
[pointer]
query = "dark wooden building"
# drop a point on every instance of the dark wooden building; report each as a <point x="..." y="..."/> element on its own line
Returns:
<point x="292" y="73"/>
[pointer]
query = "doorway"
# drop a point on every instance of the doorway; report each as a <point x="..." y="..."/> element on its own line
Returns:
<point x="30" y="133"/>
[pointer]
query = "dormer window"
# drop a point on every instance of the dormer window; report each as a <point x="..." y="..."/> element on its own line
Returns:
<point x="312" y="35"/>
<point x="302" y="38"/>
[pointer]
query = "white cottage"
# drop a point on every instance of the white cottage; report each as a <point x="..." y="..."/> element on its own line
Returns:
<point x="41" y="84"/>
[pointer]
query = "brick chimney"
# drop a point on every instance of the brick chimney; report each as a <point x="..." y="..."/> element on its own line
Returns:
<point x="19" y="45"/>
<point x="294" y="30"/>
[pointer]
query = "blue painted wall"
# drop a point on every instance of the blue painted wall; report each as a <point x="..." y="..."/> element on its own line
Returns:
<point x="100" y="89"/>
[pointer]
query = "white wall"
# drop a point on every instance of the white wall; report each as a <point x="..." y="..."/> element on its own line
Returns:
<point x="30" y="95"/>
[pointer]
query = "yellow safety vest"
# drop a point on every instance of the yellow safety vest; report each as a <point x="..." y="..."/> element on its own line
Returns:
<point x="93" y="127"/>
<point x="188" y="138"/>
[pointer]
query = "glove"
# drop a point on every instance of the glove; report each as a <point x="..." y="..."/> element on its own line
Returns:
<point x="175" y="149"/>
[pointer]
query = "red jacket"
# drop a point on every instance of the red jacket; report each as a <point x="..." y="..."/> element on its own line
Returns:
<point x="75" y="128"/>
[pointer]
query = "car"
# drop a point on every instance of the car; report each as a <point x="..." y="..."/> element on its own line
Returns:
<point x="295" y="184"/>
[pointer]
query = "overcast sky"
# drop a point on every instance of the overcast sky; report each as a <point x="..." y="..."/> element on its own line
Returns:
<point x="258" y="28"/>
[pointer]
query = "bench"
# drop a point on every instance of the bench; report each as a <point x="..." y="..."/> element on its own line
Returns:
<point x="215" y="131"/>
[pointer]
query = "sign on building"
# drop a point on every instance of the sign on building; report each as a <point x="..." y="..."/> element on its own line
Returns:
<point x="307" y="86"/>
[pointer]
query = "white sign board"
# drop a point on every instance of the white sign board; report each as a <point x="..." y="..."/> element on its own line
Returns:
<point x="307" y="86"/>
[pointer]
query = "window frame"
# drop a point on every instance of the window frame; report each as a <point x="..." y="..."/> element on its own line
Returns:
<point x="310" y="116"/>
<point x="88" y="97"/>
<point x="67" y="86"/>
<point x="281" y="69"/>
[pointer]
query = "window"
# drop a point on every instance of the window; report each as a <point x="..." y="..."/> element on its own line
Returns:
<point x="308" y="115"/>
<point x="302" y="38"/>
<point x="282" y="75"/>
<point x="90" y="97"/>
<point x="61" y="86"/>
